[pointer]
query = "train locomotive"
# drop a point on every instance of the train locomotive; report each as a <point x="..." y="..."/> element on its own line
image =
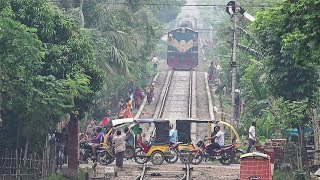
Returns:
<point x="182" y="49"/>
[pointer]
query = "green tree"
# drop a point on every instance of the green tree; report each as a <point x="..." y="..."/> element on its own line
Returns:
<point x="123" y="34"/>
<point x="58" y="74"/>
<point x="289" y="76"/>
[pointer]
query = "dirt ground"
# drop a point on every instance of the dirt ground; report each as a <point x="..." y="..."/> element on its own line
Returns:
<point x="204" y="171"/>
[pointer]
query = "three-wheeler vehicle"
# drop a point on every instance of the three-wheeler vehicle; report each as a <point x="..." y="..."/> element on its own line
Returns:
<point x="157" y="149"/>
<point x="108" y="155"/>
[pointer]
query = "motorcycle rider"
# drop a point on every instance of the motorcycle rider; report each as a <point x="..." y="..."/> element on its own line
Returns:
<point x="97" y="140"/>
<point x="217" y="140"/>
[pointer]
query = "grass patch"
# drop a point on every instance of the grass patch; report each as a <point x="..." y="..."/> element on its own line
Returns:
<point x="56" y="177"/>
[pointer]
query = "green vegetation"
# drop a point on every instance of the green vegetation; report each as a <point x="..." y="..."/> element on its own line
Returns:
<point x="56" y="177"/>
<point x="71" y="60"/>
<point x="278" y="67"/>
<point x="75" y="59"/>
<point x="123" y="35"/>
<point x="279" y="175"/>
<point x="47" y="70"/>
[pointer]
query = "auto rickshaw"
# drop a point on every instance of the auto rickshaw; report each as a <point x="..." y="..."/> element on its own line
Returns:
<point x="185" y="135"/>
<point x="157" y="149"/>
<point x="116" y="124"/>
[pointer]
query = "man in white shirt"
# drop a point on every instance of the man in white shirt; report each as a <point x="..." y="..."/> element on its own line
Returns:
<point x="252" y="136"/>
<point x="119" y="147"/>
<point x="217" y="140"/>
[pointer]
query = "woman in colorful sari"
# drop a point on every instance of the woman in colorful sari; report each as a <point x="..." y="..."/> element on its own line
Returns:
<point x="127" y="111"/>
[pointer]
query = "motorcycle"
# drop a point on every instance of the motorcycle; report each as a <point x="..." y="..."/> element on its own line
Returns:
<point x="174" y="153"/>
<point x="140" y="153"/>
<point x="225" y="154"/>
<point x="104" y="156"/>
<point x="237" y="154"/>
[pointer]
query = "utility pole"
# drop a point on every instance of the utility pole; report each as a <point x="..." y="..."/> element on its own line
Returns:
<point x="233" y="10"/>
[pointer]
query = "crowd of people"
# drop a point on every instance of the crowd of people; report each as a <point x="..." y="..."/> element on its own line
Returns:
<point x="134" y="101"/>
<point x="136" y="138"/>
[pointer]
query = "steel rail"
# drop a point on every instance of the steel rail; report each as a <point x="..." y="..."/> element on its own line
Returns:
<point x="166" y="92"/>
<point x="190" y="95"/>
<point x="143" y="173"/>
<point x="187" y="174"/>
<point x="164" y="99"/>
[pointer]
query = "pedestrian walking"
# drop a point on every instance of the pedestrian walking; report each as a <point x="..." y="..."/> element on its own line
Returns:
<point x="252" y="136"/>
<point x="120" y="147"/>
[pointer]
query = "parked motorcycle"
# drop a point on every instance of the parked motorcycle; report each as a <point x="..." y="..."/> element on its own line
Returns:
<point x="104" y="156"/>
<point x="140" y="153"/>
<point x="224" y="155"/>
<point x="237" y="153"/>
<point x="175" y="153"/>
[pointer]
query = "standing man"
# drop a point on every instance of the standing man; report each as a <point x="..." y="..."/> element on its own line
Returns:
<point x="119" y="147"/>
<point x="252" y="136"/>
<point x="129" y="137"/>
<point x="150" y="93"/>
<point x="212" y="73"/>
<point x="173" y="135"/>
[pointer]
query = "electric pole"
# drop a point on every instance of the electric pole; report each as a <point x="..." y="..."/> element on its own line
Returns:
<point x="233" y="9"/>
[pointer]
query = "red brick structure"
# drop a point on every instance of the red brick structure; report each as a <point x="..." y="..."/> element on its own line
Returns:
<point x="255" y="166"/>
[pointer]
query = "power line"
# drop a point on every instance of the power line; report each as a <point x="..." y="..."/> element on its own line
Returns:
<point x="179" y="5"/>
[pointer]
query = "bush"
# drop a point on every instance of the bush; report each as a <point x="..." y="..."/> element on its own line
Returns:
<point x="280" y="175"/>
<point x="55" y="177"/>
<point x="300" y="175"/>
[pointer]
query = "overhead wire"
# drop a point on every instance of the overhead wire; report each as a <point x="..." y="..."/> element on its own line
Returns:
<point x="181" y="5"/>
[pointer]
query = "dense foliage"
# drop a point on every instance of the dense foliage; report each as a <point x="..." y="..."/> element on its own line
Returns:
<point x="69" y="60"/>
<point x="278" y="68"/>
<point x="124" y="34"/>
<point x="47" y="70"/>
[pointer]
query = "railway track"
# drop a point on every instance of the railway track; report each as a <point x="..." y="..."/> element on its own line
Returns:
<point x="146" y="174"/>
<point x="177" y="99"/>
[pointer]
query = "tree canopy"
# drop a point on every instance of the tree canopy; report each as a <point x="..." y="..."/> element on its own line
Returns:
<point x="47" y="70"/>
